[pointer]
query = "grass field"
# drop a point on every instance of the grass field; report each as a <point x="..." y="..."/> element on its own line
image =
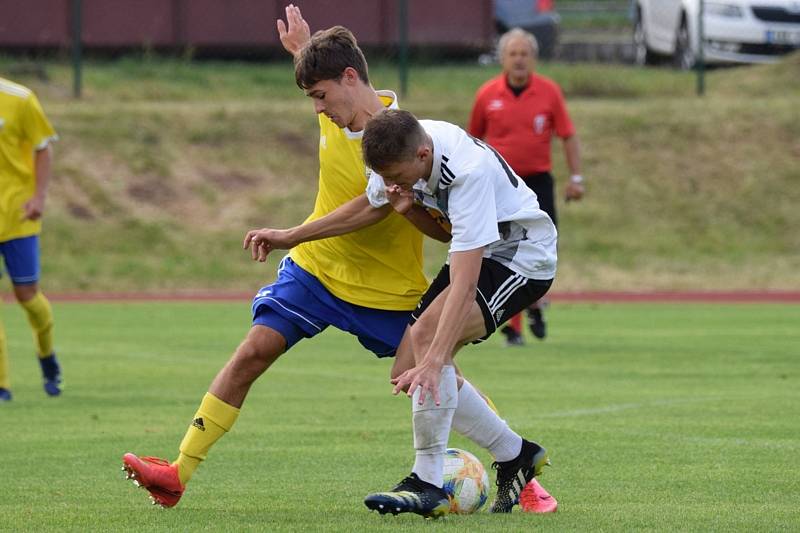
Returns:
<point x="658" y="418"/>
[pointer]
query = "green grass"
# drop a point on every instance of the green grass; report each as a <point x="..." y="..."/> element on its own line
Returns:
<point x="658" y="418"/>
<point x="166" y="163"/>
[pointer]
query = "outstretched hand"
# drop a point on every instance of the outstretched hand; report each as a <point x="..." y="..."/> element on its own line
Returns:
<point x="262" y="241"/>
<point x="424" y="376"/>
<point x="294" y="36"/>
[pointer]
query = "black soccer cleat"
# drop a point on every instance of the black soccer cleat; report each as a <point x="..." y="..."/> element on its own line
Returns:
<point x="536" y="322"/>
<point x="512" y="337"/>
<point x="412" y="495"/>
<point x="513" y="475"/>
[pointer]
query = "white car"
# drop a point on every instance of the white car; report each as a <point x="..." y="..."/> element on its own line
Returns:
<point x="736" y="31"/>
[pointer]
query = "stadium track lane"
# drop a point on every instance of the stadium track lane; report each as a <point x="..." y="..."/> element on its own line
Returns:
<point x="789" y="297"/>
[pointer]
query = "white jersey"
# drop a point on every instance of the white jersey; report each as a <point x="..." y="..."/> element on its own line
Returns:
<point x="484" y="200"/>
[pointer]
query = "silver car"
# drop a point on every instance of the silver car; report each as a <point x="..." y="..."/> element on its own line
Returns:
<point x="736" y="31"/>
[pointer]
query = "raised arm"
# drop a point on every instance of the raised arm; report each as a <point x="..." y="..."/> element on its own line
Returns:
<point x="349" y="217"/>
<point x="294" y="33"/>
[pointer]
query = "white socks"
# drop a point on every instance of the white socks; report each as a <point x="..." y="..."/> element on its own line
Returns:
<point x="432" y="427"/>
<point x="475" y="420"/>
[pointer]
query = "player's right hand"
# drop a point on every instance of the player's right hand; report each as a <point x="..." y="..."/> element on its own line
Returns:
<point x="262" y="241"/>
<point x="297" y="34"/>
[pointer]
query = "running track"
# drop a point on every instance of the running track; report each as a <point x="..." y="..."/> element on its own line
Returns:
<point x="789" y="297"/>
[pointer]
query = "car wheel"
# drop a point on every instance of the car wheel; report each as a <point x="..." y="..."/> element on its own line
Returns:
<point x="641" y="53"/>
<point x="684" y="55"/>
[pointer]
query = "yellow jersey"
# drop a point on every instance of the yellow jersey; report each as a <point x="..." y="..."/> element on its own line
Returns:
<point x="379" y="266"/>
<point x="24" y="129"/>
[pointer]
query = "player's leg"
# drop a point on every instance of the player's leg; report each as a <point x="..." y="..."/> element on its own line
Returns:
<point x="421" y="492"/>
<point x="5" y="379"/>
<point x="512" y="331"/>
<point x="281" y="317"/>
<point x="5" y="376"/>
<point x="543" y="185"/>
<point x="215" y="416"/>
<point x="501" y="293"/>
<point x="22" y="261"/>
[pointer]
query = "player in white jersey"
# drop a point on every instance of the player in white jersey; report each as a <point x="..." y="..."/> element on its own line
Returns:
<point x="502" y="258"/>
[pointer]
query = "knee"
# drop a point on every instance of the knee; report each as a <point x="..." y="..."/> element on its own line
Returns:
<point x="25" y="293"/>
<point x="422" y="333"/>
<point x="251" y="358"/>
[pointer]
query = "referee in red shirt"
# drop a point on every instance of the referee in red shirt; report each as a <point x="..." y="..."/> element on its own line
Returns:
<point x="518" y="112"/>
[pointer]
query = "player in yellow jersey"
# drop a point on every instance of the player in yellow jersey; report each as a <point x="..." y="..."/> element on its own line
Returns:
<point x="25" y="158"/>
<point x="358" y="282"/>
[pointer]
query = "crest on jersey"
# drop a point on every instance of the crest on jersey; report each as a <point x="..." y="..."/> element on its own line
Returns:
<point x="539" y="122"/>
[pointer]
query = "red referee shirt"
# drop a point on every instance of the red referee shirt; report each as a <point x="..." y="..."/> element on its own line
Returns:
<point x="520" y="127"/>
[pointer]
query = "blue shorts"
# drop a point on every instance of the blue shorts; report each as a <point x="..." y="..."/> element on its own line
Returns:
<point x="22" y="259"/>
<point x="298" y="306"/>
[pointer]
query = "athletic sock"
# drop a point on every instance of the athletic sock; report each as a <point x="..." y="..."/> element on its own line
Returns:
<point x="476" y="420"/>
<point x="211" y="421"/>
<point x="40" y="317"/>
<point x="432" y="427"/>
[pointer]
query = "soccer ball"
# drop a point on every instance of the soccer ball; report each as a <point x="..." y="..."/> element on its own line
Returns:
<point x="465" y="481"/>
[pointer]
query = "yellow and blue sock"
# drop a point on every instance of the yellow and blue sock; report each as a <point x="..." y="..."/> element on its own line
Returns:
<point x="40" y="317"/>
<point x="213" y="419"/>
<point x="5" y="381"/>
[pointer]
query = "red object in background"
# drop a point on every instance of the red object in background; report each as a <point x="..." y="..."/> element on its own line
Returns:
<point x="545" y="5"/>
<point x="242" y="24"/>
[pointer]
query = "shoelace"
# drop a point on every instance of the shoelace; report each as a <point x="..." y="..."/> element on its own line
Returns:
<point x="411" y="482"/>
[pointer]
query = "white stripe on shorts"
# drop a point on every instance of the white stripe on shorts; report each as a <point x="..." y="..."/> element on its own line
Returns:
<point x="505" y="291"/>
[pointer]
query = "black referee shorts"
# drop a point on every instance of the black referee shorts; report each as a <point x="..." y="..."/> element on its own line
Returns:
<point x="501" y="294"/>
<point x="543" y="185"/>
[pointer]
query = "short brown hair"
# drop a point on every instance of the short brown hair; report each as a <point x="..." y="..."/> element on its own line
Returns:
<point x="391" y="136"/>
<point x="326" y="56"/>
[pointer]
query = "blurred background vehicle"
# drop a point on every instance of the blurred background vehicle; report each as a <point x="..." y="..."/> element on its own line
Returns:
<point x="736" y="31"/>
<point x="536" y="16"/>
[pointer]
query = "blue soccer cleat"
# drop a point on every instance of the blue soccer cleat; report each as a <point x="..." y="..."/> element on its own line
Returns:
<point x="5" y="395"/>
<point x="51" y="371"/>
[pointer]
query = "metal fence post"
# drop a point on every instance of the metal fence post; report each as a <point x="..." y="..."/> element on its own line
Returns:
<point x="701" y="60"/>
<point x="403" y="26"/>
<point x="77" y="52"/>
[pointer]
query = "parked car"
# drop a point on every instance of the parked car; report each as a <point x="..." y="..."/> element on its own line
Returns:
<point x="736" y="31"/>
<point x="536" y="16"/>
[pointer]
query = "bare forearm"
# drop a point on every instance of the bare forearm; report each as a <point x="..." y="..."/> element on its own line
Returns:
<point x="43" y="161"/>
<point x="352" y="216"/>
<point x="425" y="222"/>
<point x="572" y="153"/>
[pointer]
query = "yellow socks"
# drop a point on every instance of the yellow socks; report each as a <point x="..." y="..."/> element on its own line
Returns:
<point x="40" y="317"/>
<point x="213" y="419"/>
<point x="4" y="381"/>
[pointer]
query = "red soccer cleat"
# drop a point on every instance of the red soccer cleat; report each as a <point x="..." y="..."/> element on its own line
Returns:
<point x="158" y="476"/>
<point x="534" y="499"/>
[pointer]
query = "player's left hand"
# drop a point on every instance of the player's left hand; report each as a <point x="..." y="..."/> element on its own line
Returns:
<point x="400" y="199"/>
<point x="297" y="34"/>
<point x="424" y="375"/>
<point x="33" y="208"/>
